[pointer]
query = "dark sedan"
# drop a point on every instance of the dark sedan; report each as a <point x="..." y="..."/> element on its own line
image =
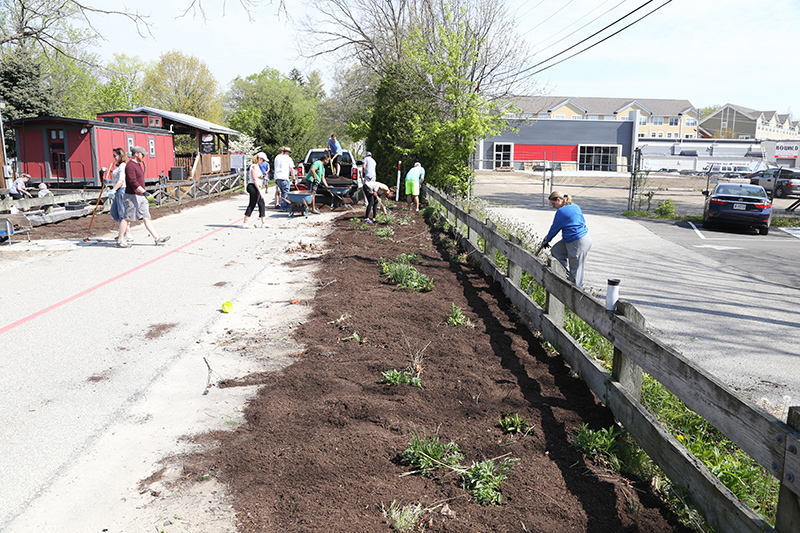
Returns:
<point x="738" y="204"/>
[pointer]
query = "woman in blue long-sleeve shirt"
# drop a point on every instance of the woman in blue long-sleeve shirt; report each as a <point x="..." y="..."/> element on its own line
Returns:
<point x="575" y="242"/>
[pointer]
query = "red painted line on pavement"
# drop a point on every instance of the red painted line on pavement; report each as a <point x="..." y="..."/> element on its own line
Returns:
<point x="106" y="282"/>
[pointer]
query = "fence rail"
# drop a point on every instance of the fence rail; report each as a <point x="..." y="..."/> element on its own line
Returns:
<point x="769" y="441"/>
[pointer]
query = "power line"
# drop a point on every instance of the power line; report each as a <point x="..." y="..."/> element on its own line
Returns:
<point x="591" y="36"/>
<point x="548" y="18"/>
<point x="598" y="42"/>
<point x="575" y="22"/>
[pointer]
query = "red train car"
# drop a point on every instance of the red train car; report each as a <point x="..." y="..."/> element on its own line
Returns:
<point x="77" y="151"/>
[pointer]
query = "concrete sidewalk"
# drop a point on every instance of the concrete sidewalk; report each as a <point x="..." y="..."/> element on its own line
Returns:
<point x="107" y="354"/>
<point x="741" y="327"/>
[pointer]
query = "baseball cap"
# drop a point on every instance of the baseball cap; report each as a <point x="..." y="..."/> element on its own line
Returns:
<point x="138" y="149"/>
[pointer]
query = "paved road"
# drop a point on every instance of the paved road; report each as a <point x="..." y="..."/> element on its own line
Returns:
<point x="739" y="322"/>
<point x="103" y="355"/>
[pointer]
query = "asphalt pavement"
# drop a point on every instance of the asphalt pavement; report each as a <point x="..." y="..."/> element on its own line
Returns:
<point x="107" y="354"/>
<point x="741" y="325"/>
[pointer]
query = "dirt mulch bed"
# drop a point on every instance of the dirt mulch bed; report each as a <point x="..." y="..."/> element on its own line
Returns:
<point x="321" y="447"/>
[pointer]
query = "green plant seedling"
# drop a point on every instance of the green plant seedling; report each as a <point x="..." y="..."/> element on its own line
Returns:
<point x="457" y="317"/>
<point x="354" y="337"/>
<point x="384" y="232"/>
<point x="514" y="423"/>
<point x="483" y="480"/>
<point x="428" y="453"/>
<point x="395" y="377"/>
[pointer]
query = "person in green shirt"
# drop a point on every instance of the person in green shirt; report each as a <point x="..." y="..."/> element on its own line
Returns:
<point x="316" y="175"/>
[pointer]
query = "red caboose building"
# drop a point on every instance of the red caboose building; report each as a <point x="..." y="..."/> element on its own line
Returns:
<point x="77" y="151"/>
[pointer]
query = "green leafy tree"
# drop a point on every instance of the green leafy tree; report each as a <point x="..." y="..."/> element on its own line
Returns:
<point x="276" y="110"/>
<point x="184" y="84"/>
<point x="708" y="110"/>
<point x="23" y="89"/>
<point x="121" y="85"/>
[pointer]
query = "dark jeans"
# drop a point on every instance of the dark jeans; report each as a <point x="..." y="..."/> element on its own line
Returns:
<point x="371" y="201"/>
<point x="255" y="199"/>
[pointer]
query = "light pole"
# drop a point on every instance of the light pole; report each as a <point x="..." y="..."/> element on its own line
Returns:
<point x="3" y="139"/>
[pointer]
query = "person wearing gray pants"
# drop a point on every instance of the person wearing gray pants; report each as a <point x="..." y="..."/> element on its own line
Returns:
<point x="575" y="243"/>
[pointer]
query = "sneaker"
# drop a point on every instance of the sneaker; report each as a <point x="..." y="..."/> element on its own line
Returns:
<point x="123" y="244"/>
<point x="247" y="226"/>
<point x="162" y="240"/>
<point x="315" y="211"/>
<point x="129" y="238"/>
<point x="368" y="221"/>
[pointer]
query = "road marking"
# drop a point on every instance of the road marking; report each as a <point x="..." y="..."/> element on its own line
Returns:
<point x="110" y="280"/>
<point x="699" y="234"/>
<point x="794" y="232"/>
<point x="716" y="247"/>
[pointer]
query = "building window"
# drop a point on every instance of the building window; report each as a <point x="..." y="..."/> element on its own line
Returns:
<point x="641" y="135"/>
<point x="652" y="134"/>
<point x="559" y="117"/>
<point x="137" y="121"/>
<point x="593" y="117"/>
<point x="688" y="136"/>
<point x="724" y="125"/>
<point x="502" y="154"/>
<point x="602" y="158"/>
<point x="543" y="115"/>
<point x="660" y="134"/>
<point x="744" y="136"/>
<point x="108" y="119"/>
<point x="576" y="117"/>
<point x="658" y="121"/>
<point x="691" y="121"/>
<point x="152" y="142"/>
<point x="642" y="120"/>
<point x="669" y="135"/>
<point x="609" y="117"/>
<point x="674" y="121"/>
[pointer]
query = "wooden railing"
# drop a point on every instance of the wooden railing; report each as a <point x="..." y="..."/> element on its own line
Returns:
<point x="179" y="191"/>
<point x="769" y="441"/>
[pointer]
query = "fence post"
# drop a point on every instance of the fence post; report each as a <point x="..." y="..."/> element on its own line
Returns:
<point x="553" y="307"/>
<point x="623" y="369"/>
<point x="489" y="250"/>
<point x="514" y="270"/>
<point x="472" y="235"/>
<point x="787" y="516"/>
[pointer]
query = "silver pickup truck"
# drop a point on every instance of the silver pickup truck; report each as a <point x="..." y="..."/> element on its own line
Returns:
<point x="787" y="179"/>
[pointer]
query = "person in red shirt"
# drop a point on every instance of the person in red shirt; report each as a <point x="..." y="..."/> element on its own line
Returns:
<point x="136" y="204"/>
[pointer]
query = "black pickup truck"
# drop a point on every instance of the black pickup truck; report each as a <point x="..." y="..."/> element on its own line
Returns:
<point x="349" y="179"/>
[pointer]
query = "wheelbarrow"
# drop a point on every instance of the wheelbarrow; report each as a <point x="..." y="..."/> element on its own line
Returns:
<point x="299" y="201"/>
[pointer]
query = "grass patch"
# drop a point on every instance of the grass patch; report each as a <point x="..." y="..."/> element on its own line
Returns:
<point x="400" y="272"/>
<point x="429" y="453"/>
<point x="403" y="518"/>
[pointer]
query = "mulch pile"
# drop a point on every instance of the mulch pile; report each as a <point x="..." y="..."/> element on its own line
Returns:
<point x="321" y="447"/>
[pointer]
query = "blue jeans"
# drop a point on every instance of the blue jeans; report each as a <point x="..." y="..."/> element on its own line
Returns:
<point x="283" y="186"/>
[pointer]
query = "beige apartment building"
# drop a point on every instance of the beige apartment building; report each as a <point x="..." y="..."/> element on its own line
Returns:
<point x="737" y="122"/>
<point x="657" y="118"/>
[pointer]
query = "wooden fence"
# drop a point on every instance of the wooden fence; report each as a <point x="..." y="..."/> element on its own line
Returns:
<point x="179" y="191"/>
<point x="769" y="441"/>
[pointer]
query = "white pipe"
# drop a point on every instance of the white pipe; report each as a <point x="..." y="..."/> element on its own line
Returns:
<point x="612" y="294"/>
<point x="397" y="192"/>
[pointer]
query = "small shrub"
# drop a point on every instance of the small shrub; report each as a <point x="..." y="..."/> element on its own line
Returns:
<point x="403" y="518"/>
<point x="483" y="480"/>
<point x="428" y="453"/>
<point x="666" y="208"/>
<point x="513" y="423"/>
<point x="404" y="275"/>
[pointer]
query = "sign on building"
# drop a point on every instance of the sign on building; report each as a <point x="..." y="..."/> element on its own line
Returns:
<point x="786" y="150"/>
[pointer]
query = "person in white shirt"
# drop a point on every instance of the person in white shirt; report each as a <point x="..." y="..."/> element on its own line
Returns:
<point x="370" y="188"/>
<point x="284" y="170"/>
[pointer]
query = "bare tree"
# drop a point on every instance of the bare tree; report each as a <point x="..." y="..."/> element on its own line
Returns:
<point x="376" y="33"/>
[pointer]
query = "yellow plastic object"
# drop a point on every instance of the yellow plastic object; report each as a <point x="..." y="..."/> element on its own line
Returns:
<point x="226" y="307"/>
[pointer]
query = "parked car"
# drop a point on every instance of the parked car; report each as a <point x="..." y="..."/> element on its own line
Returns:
<point x="788" y="181"/>
<point x="689" y="172"/>
<point x="738" y="204"/>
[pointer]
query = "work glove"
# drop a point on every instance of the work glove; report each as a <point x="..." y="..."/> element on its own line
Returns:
<point x="111" y="194"/>
<point x="150" y="198"/>
<point x="545" y="245"/>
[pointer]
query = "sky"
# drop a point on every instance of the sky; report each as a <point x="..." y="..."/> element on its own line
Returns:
<point x="709" y="52"/>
